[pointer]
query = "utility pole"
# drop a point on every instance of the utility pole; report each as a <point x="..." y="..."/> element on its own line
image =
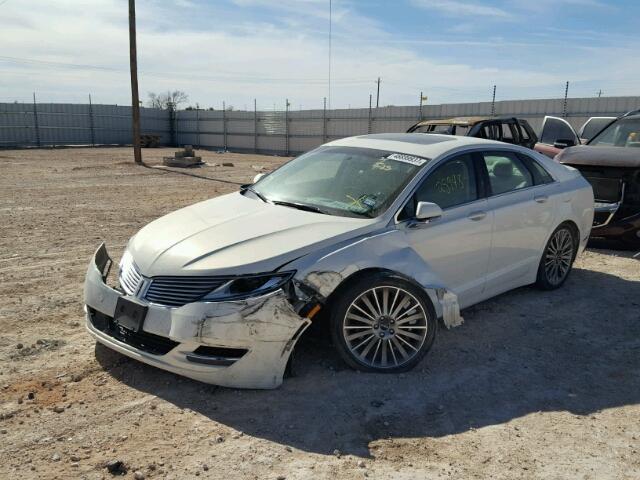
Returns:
<point x="493" y="102"/>
<point x="330" y="22"/>
<point x="423" y="98"/>
<point x="378" y="94"/>
<point x="135" y="100"/>
<point x="566" y="94"/>
<point x="600" y="93"/>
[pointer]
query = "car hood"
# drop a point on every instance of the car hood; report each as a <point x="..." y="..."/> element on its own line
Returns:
<point x="600" y="156"/>
<point x="233" y="234"/>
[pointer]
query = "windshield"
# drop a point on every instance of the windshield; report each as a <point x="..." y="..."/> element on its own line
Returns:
<point x="593" y="126"/>
<point x="622" y="133"/>
<point x="345" y="181"/>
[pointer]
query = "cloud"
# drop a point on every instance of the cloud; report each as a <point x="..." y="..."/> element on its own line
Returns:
<point x="456" y="8"/>
<point x="228" y="52"/>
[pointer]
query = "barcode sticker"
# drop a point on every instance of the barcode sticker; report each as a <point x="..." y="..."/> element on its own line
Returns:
<point x="403" y="157"/>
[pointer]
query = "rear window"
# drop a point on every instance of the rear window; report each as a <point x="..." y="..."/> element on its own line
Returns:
<point x="540" y="175"/>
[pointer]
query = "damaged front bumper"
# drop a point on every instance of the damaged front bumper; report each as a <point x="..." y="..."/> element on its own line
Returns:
<point x="242" y="343"/>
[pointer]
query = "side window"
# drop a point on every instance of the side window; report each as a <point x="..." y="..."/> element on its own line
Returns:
<point x="507" y="134"/>
<point x="493" y="131"/>
<point x="540" y="175"/>
<point x="452" y="183"/>
<point x="506" y="172"/>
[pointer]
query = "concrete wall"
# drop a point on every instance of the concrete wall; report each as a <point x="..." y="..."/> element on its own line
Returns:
<point x="50" y="124"/>
<point x="268" y="132"/>
<point x="274" y="132"/>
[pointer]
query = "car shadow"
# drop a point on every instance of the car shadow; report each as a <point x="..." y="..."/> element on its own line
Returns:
<point x="576" y="349"/>
<point x="614" y="247"/>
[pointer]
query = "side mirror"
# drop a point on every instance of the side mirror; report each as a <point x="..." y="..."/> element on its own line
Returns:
<point x="427" y="211"/>
<point x="258" y="177"/>
<point x="564" y="143"/>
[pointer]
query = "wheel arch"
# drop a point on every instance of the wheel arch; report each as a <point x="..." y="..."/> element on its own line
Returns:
<point x="429" y="295"/>
<point x="575" y="231"/>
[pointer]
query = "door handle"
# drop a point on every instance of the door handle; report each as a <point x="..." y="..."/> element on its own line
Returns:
<point x="541" y="198"/>
<point x="475" y="216"/>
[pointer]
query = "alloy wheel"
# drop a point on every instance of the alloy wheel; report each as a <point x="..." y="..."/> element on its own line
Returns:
<point x="559" y="256"/>
<point x="385" y="327"/>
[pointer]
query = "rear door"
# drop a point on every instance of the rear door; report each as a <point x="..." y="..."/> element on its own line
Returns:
<point x="523" y="215"/>
<point x="556" y="134"/>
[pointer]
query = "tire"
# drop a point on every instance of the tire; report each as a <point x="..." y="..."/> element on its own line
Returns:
<point x="557" y="259"/>
<point x="383" y="323"/>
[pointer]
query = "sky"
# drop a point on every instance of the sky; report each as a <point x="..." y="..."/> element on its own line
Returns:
<point x="235" y="51"/>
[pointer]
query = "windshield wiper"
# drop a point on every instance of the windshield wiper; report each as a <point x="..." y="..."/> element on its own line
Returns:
<point x="301" y="206"/>
<point x="257" y="194"/>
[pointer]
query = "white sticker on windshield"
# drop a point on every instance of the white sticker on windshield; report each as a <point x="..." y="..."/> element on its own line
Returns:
<point x="403" y="157"/>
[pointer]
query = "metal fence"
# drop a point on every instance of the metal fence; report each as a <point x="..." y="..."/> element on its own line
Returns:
<point x="51" y="124"/>
<point x="287" y="132"/>
<point x="274" y="132"/>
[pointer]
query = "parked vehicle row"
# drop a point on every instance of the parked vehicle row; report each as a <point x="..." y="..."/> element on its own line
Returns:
<point x="613" y="169"/>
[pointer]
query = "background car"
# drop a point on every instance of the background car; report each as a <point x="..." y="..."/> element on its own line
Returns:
<point x="515" y="131"/>
<point x="610" y="161"/>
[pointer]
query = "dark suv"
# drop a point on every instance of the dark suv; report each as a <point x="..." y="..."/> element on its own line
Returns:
<point x="512" y="130"/>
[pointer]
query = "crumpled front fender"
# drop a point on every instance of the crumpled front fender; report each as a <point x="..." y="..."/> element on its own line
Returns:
<point x="324" y="271"/>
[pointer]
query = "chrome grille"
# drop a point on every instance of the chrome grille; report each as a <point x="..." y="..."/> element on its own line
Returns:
<point x="130" y="278"/>
<point x="176" y="291"/>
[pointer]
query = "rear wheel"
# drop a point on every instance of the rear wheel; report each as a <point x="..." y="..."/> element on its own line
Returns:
<point x="383" y="324"/>
<point x="557" y="259"/>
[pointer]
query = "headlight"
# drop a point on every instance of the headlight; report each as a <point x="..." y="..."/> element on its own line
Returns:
<point x="249" y="286"/>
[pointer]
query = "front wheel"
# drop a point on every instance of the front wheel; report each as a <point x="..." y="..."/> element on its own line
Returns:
<point x="383" y="323"/>
<point x="557" y="258"/>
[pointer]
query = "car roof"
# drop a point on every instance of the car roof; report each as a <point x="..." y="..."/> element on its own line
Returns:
<point x="429" y="146"/>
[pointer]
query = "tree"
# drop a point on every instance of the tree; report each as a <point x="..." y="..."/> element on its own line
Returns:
<point x="166" y="100"/>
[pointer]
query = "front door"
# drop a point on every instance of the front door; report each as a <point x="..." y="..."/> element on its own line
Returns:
<point x="555" y="135"/>
<point x="456" y="246"/>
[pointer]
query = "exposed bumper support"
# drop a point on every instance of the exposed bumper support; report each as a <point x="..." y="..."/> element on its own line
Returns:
<point x="267" y="327"/>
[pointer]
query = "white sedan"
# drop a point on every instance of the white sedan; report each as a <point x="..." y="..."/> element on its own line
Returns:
<point x="378" y="235"/>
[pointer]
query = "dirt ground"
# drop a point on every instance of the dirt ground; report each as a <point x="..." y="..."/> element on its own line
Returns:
<point x="533" y="385"/>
